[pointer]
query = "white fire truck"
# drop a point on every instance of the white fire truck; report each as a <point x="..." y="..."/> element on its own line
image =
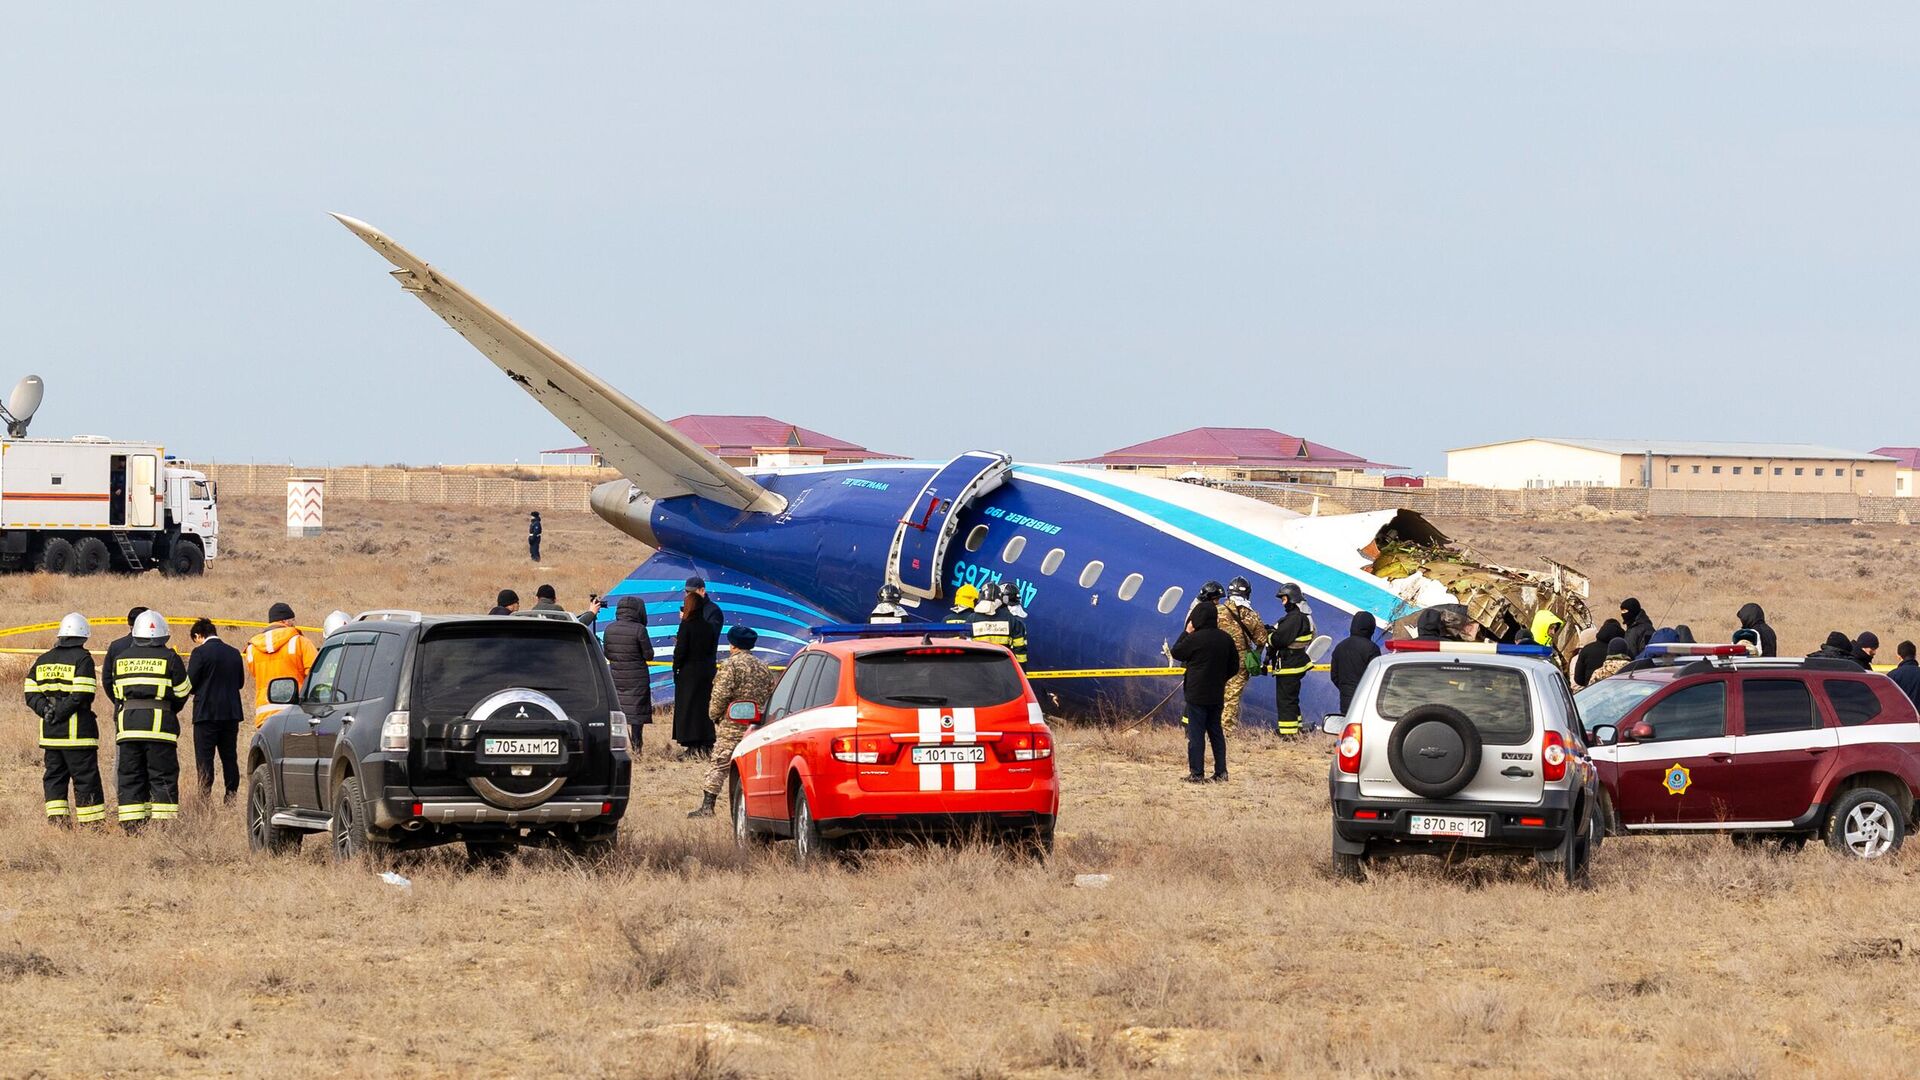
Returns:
<point x="89" y="504"/>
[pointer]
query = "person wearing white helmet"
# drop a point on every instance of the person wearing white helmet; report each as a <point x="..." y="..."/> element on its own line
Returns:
<point x="150" y="685"/>
<point x="334" y="622"/>
<point x="60" y="688"/>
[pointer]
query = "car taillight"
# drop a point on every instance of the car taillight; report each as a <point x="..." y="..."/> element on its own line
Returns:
<point x="1553" y="754"/>
<point x="617" y="731"/>
<point x="864" y="750"/>
<point x="1027" y="746"/>
<point x="1350" y="748"/>
<point x="394" y="732"/>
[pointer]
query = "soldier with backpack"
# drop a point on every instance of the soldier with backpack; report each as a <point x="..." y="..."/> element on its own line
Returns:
<point x="1249" y="633"/>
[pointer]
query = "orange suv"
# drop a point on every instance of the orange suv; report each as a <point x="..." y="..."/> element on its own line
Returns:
<point x="879" y="731"/>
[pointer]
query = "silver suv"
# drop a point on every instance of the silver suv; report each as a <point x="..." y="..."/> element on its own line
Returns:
<point x="1456" y="747"/>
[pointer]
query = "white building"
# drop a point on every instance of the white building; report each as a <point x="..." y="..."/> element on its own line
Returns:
<point x="1541" y="462"/>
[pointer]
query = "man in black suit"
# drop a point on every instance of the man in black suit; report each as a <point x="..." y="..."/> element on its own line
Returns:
<point x="217" y="673"/>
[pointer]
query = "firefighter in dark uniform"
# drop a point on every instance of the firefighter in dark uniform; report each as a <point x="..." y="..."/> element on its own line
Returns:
<point x="1287" y="643"/>
<point x="888" y="609"/>
<point x="150" y="686"/>
<point x="1016" y="617"/>
<point x="60" y="687"/>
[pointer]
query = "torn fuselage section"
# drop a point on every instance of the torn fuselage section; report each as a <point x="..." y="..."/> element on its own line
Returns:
<point x="1483" y="601"/>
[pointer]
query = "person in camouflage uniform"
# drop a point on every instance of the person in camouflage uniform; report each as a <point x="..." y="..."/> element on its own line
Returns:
<point x="741" y="677"/>
<point x="1249" y="631"/>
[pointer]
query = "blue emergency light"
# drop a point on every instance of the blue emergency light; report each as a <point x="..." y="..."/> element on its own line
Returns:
<point x="833" y="631"/>
<point x="1482" y="648"/>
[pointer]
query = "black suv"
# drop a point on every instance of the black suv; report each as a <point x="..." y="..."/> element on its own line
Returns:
<point x="420" y="730"/>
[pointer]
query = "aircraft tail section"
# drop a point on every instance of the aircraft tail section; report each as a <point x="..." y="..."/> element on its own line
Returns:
<point x="656" y="458"/>
<point x="781" y="618"/>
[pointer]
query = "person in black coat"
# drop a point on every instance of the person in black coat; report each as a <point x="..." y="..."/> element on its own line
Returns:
<point x="217" y="674"/>
<point x="1906" y="674"/>
<point x="1753" y="618"/>
<point x="629" y="650"/>
<point x="1211" y="659"/>
<point x="696" y="656"/>
<point x="1351" y="657"/>
<point x="533" y="535"/>
<point x="1838" y="646"/>
<point x="1594" y="653"/>
<point x="1637" y="624"/>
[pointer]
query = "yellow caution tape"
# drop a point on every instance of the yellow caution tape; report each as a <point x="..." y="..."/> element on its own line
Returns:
<point x="37" y="628"/>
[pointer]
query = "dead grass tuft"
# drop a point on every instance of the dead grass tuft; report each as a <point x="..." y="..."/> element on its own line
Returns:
<point x="22" y="963"/>
<point x="680" y="961"/>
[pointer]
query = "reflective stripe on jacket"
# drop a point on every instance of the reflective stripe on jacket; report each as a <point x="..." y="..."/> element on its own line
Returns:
<point x="150" y="683"/>
<point x="60" y="686"/>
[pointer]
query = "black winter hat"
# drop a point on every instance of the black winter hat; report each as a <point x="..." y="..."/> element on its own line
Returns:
<point x="544" y="592"/>
<point x="742" y="637"/>
<point x="1867" y="640"/>
<point x="507" y="598"/>
<point x="279" y="613"/>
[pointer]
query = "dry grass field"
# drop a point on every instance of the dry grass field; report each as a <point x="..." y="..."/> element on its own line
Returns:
<point x="1220" y="947"/>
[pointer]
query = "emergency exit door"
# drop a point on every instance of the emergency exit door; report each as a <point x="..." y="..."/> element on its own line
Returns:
<point x="920" y="541"/>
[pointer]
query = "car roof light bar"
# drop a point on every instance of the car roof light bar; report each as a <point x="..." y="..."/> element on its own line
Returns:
<point x="1676" y="648"/>
<point x="1482" y="648"/>
<point x="833" y="631"/>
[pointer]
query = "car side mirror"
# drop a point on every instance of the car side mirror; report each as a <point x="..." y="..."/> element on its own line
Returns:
<point x="283" y="691"/>
<point x="1605" y="733"/>
<point x="1641" y="732"/>
<point x="744" y="712"/>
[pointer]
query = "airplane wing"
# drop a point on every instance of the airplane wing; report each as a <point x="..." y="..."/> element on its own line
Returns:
<point x="649" y="452"/>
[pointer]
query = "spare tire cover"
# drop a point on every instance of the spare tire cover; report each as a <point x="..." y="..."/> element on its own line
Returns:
<point x="535" y="709"/>
<point x="1434" y="751"/>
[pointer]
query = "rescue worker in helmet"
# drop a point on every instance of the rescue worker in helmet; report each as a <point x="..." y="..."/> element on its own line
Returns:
<point x="1287" y="642"/>
<point x="334" y="622"/>
<point x="964" y="599"/>
<point x="1249" y="633"/>
<point x="1016" y="617"/>
<point x="60" y="688"/>
<point x="150" y="685"/>
<point x="990" y="621"/>
<point x="888" y="610"/>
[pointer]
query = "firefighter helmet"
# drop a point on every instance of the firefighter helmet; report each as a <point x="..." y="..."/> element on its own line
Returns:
<point x="75" y="625"/>
<point x="334" y="622"/>
<point x="1240" y="587"/>
<point x="1211" y="592"/>
<point x="889" y="593"/>
<point x="151" y="628"/>
<point x="1010" y="593"/>
<point x="1289" y="592"/>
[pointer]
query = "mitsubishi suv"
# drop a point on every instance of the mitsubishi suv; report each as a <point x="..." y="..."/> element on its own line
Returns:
<point x="420" y="730"/>
<point x="1454" y="748"/>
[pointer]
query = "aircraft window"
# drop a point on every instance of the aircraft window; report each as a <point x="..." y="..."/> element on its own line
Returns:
<point x="1052" y="562"/>
<point x="1170" y="600"/>
<point x="1130" y="586"/>
<point x="977" y="538"/>
<point x="1013" y="549"/>
<point x="1091" y="574"/>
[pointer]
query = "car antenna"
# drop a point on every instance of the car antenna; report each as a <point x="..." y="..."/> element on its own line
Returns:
<point x="926" y="639"/>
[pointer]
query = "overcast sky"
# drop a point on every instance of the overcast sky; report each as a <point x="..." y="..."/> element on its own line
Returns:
<point x="1053" y="229"/>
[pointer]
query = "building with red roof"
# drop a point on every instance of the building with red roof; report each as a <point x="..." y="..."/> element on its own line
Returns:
<point x="1906" y="462"/>
<point x="749" y="442"/>
<point x="1256" y="454"/>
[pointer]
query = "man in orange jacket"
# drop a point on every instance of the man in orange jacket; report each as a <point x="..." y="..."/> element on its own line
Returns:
<point x="280" y="651"/>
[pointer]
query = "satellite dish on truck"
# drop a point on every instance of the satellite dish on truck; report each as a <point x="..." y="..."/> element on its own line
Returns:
<point x="22" y="404"/>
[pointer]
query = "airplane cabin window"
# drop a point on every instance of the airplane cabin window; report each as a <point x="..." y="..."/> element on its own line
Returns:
<point x="977" y="538"/>
<point x="1129" y="587"/>
<point x="1170" y="600"/>
<point x="1091" y="574"/>
<point x="1052" y="562"/>
<point x="1013" y="549"/>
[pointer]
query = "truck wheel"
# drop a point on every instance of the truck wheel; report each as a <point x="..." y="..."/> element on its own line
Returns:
<point x="350" y="838"/>
<point x="56" y="556"/>
<point x="262" y="801"/>
<point x="90" y="556"/>
<point x="185" y="559"/>
<point x="743" y="834"/>
<point x="810" y="849"/>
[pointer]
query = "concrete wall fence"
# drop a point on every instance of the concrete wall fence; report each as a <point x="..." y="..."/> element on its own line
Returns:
<point x="438" y="486"/>
<point x="405" y="485"/>
<point x="1537" y="502"/>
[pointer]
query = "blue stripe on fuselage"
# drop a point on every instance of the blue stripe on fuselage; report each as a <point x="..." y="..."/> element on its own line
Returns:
<point x="1310" y="574"/>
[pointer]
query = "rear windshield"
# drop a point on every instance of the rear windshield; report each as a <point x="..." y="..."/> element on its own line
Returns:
<point x="1606" y="701"/>
<point x="458" y="666"/>
<point x="959" y="679"/>
<point x="1494" y="698"/>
